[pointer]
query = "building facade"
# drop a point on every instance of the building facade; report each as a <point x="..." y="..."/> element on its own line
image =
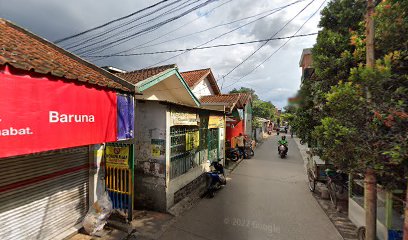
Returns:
<point x="175" y="137"/>
<point x="55" y="108"/>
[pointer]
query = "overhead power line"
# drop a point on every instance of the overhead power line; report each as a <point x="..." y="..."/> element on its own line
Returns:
<point x="144" y="45"/>
<point x="128" y="29"/>
<point x="273" y="35"/>
<point x="223" y="34"/>
<point x="294" y="35"/>
<point x="110" y="22"/>
<point x="199" y="48"/>
<point x="158" y="25"/>
<point x="112" y="29"/>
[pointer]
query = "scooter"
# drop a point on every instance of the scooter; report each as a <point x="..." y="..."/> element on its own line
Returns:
<point x="282" y="150"/>
<point x="233" y="154"/>
<point x="249" y="151"/>
<point x="216" y="179"/>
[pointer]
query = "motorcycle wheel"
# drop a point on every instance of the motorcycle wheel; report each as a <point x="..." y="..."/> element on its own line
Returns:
<point x="247" y="155"/>
<point x="240" y="156"/>
<point x="211" y="194"/>
<point x="252" y="153"/>
<point x="282" y="156"/>
<point x="234" y="157"/>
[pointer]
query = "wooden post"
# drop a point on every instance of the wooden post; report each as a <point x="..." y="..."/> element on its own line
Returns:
<point x="370" y="178"/>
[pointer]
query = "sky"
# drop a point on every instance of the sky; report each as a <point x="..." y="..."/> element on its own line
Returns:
<point x="275" y="80"/>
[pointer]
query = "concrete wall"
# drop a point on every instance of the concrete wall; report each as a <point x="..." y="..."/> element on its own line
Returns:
<point x="258" y="134"/>
<point x="248" y="120"/>
<point x="150" y="155"/>
<point x="180" y="183"/>
<point x="221" y="143"/>
<point x="203" y="88"/>
<point x="153" y="187"/>
<point x="233" y="132"/>
<point x="96" y="172"/>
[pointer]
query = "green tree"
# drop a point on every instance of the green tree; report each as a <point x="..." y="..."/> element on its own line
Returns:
<point x="246" y="90"/>
<point x="357" y="130"/>
<point x="332" y="60"/>
<point x="263" y="109"/>
<point x="260" y="108"/>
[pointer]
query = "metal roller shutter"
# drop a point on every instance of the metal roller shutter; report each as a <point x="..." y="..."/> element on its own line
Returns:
<point x="44" y="194"/>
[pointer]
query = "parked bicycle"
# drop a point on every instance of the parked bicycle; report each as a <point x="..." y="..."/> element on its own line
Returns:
<point x="337" y="184"/>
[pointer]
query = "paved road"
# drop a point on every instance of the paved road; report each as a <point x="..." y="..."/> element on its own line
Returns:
<point x="265" y="198"/>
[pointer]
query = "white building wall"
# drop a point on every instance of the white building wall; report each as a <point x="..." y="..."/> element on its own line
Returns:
<point x="150" y="155"/>
<point x="203" y="88"/>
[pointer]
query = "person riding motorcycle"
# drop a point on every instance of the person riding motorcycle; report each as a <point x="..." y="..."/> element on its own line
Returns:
<point x="283" y="142"/>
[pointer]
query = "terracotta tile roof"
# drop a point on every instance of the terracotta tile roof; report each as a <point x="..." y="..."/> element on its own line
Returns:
<point x="195" y="76"/>
<point x="230" y="100"/>
<point x="245" y="97"/>
<point x="142" y="74"/>
<point x="24" y="50"/>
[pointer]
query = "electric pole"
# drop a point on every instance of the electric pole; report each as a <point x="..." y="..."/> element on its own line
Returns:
<point x="370" y="180"/>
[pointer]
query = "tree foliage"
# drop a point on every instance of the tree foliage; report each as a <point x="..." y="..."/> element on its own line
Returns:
<point x="246" y="90"/>
<point x="262" y="109"/>
<point x="357" y="116"/>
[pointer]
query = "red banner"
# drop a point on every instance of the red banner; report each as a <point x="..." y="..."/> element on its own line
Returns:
<point x="39" y="114"/>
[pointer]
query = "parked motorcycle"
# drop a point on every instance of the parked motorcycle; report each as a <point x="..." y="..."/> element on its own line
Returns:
<point x="282" y="150"/>
<point x="233" y="154"/>
<point x="249" y="151"/>
<point x="215" y="178"/>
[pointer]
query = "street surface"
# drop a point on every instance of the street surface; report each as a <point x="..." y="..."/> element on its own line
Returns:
<point x="265" y="198"/>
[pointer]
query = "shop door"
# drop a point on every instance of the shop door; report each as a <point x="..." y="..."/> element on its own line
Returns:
<point x="43" y="194"/>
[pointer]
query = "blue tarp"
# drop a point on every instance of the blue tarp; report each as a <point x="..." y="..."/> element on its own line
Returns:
<point x="125" y="117"/>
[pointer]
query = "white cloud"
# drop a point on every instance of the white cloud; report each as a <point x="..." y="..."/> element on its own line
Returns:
<point x="276" y="80"/>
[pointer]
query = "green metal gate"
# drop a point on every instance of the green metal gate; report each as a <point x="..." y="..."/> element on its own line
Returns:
<point x="213" y="146"/>
<point x="184" y="141"/>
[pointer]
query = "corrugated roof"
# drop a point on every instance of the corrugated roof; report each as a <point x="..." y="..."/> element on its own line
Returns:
<point x="193" y="77"/>
<point x="24" y="50"/>
<point x="142" y="74"/>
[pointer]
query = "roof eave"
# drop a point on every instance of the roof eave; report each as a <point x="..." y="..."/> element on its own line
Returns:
<point x="120" y="81"/>
<point x="153" y="80"/>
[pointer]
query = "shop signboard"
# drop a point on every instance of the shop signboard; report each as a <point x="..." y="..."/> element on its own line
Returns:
<point x="45" y="113"/>
<point x="184" y="118"/>
<point x="216" y="122"/>
<point x="117" y="155"/>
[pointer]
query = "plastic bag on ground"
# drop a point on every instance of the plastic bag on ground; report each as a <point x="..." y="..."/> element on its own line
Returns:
<point x="98" y="214"/>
